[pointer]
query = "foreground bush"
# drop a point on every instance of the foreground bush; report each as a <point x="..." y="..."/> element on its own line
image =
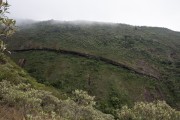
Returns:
<point x="35" y="104"/>
<point x="28" y="103"/>
<point x="149" y="111"/>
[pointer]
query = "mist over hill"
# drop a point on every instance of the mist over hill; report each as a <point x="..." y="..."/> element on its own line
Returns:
<point x="23" y="22"/>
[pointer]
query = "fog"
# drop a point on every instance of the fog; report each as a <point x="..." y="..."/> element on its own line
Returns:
<point x="160" y="13"/>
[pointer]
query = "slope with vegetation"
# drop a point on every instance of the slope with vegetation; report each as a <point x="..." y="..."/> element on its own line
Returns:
<point x="21" y="97"/>
<point x="147" y="50"/>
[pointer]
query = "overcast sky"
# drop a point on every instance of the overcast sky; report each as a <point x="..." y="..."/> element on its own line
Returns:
<point x="162" y="13"/>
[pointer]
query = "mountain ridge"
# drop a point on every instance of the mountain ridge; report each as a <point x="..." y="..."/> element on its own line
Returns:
<point x="19" y="21"/>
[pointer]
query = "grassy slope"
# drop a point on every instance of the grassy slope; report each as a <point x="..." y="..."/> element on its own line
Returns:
<point x="151" y="50"/>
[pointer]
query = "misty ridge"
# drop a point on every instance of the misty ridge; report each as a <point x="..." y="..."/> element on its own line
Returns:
<point x="85" y="23"/>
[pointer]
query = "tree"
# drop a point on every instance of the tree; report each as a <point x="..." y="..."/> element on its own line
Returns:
<point x="7" y="26"/>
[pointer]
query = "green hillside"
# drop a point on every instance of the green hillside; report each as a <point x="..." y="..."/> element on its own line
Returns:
<point x="151" y="51"/>
<point x="21" y="97"/>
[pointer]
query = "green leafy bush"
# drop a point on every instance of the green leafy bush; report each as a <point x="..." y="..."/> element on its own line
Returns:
<point x="7" y="26"/>
<point x="82" y="98"/>
<point x="159" y="110"/>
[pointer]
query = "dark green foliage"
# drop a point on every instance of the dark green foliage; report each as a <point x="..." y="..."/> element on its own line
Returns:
<point x="117" y="100"/>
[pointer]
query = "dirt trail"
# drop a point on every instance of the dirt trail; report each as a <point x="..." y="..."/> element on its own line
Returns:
<point x="88" y="56"/>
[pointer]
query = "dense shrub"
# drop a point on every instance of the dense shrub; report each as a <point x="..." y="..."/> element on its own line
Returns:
<point x="42" y="105"/>
<point x="82" y="98"/>
<point x="159" y="110"/>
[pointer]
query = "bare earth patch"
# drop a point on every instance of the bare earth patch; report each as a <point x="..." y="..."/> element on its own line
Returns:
<point x="10" y="113"/>
<point x="2" y="62"/>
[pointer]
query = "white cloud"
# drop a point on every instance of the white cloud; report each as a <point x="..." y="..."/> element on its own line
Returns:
<point x="163" y="13"/>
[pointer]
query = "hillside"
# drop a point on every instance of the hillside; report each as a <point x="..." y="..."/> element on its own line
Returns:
<point x="149" y="50"/>
<point x="21" y="97"/>
<point x="152" y="54"/>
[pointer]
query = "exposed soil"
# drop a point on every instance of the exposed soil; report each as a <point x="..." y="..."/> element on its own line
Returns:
<point x="148" y="96"/>
<point x="146" y="68"/>
<point x="2" y="62"/>
<point x="10" y="113"/>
